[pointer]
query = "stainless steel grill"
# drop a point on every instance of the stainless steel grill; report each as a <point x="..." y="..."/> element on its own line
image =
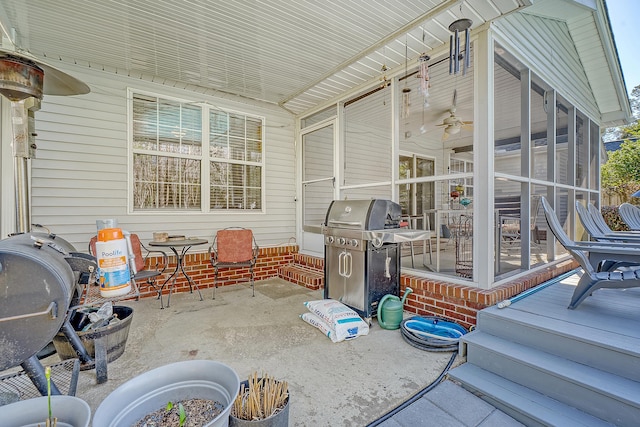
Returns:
<point x="362" y="254"/>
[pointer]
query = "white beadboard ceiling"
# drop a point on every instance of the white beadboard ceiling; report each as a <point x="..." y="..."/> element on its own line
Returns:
<point x="297" y="54"/>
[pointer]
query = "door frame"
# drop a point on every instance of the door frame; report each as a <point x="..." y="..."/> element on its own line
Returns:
<point x="310" y="238"/>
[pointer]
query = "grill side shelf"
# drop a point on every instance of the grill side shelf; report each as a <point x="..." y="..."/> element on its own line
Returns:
<point x="380" y="237"/>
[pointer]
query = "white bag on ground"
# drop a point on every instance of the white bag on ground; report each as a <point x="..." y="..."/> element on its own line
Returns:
<point x="344" y="321"/>
<point x="316" y="321"/>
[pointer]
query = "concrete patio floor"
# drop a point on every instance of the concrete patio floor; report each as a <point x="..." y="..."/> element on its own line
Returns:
<point x="351" y="383"/>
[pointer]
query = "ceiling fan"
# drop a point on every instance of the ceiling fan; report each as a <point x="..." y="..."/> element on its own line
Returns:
<point x="454" y="124"/>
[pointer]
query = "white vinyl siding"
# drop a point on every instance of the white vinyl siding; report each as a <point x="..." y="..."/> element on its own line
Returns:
<point x="548" y="49"/>
<point x="82" y="170"/>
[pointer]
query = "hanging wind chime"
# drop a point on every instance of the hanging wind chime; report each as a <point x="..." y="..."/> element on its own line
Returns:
<point x="425" y="84"/>
<point x="384" y="79"/>
<point x="406" y="91"/>
<point x="423" y="75"/>
<point x="455" y="55"/>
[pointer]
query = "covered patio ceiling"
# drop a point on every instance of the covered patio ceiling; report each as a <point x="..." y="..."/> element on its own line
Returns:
<point x="294" y="54"/>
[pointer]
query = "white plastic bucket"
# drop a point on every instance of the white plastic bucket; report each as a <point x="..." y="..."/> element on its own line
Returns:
<point x="106" y="223"/>
<point x="111" y="253"/>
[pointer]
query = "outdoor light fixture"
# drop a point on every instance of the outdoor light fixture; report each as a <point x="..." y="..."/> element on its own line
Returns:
<point x="455" y="55"/>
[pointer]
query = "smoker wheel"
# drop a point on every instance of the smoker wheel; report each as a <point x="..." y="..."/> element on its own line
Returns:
<point x="63" y="374"/>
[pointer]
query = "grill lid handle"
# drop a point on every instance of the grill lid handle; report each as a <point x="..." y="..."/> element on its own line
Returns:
<point x="52" y="308"/>
<point x="351" y="223"/>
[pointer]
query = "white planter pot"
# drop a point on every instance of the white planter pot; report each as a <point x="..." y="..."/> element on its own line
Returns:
<point x="192" y="379"/>
<point x="69" y="410"/>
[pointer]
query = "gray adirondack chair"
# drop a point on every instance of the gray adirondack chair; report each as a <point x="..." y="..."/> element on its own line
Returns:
<point x="630" y="215"/>
<point x="589" y="223"/>
<point x="585" y="253"/>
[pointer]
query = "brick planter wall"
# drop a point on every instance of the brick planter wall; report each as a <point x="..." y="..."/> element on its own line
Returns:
<point x="199" y="268"/>
<point x="430" y="297"/>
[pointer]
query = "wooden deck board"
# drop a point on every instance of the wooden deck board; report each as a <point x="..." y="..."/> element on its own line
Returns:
<point x="615" y="312"/>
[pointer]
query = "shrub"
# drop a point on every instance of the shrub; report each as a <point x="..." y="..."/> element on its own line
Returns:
<point x="613" y="219"/>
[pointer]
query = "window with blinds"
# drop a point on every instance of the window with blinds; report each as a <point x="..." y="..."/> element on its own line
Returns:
<point x="179" y="163"/>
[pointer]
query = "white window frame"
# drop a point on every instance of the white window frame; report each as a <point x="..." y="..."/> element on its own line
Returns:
<point x="205" y="158"/>
<point x="467" y="182"/>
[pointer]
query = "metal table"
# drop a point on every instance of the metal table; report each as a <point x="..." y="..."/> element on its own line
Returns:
<point x="180" y="249"/>
<point x="438" y="232"/>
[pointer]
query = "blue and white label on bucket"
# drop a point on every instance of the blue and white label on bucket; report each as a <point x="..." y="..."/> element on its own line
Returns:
<point x="111" y="279"/>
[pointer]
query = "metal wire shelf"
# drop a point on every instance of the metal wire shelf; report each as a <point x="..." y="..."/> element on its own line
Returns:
<point x="18" y="386"/>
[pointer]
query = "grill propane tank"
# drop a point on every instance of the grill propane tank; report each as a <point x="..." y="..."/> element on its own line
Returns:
<point x="390" y="310"/>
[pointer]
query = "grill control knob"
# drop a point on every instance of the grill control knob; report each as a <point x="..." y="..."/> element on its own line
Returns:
<point x="354" y="243"/>
<point x="341" y="240"/>
<point x="330" y="239"/>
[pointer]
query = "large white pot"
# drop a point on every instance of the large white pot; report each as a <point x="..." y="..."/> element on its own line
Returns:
<point x="69" y="410"/>
<point x="191" y="379"/>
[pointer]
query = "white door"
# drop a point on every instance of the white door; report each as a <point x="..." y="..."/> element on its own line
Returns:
<point x="417" y="197"/>
<point x="318" y="182"/>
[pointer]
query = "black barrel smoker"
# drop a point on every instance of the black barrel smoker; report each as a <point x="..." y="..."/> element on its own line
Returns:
<point x="37" y="287"/>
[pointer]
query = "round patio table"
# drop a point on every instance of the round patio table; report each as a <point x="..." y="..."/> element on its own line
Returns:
<point x="179" y="248"/>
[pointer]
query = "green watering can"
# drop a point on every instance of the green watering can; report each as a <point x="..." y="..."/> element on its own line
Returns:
<point x="390" y="310"/>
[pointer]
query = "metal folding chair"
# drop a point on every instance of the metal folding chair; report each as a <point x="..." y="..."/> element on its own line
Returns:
<point x="233" y="247"/>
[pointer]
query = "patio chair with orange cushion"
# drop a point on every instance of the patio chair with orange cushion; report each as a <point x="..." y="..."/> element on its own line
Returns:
<point x="233" y="247"/>
<point x="587" y="254"/>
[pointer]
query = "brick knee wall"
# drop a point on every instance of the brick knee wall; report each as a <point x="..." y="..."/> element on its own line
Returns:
<point x="429" y="297"/>
<point x="462" y="303"/>
<point x="198" y="267"/>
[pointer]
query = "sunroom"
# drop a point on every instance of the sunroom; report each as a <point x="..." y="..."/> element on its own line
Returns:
<point x="419" y="137"/>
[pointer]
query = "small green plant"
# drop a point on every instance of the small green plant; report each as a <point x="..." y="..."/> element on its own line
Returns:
<point x="181" y="412"/>
<point x="51" y="421"/>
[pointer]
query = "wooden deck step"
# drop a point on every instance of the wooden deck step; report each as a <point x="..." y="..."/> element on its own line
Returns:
<point x="610" y="397"/>
<point x="589" y="341"/>
<point x="523" y="404"/>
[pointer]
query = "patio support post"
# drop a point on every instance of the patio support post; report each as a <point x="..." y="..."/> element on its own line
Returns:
<point x="7" y="194"/>
<point x="483" y="155"/>
<point x="526" y="160"/>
